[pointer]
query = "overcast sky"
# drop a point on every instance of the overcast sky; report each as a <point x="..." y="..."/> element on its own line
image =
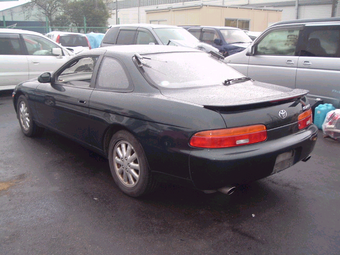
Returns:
<point x="8" y="4"/>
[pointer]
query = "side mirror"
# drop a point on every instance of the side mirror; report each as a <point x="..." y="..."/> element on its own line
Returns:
<point x="57" y="52"/>
<point x="218" y="41"/>
<point x="250" y="51"/>
<point x="45" y="78"/>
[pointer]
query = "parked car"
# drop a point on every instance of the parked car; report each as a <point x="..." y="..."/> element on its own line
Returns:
<point x="253" y="35"/>
<point x="170" y="113"/>
<point x="25" y="54"/>
<point x="154" y="35"/>
<point x="75" y="42"/>
<point x="298" y="54"/>
<point x="228" y="40"/>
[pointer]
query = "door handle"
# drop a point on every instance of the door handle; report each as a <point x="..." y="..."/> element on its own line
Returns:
<point x="307" y="63"/>
<point x="290" y="62"/>
<point x="35" y="63"/>
<point x="82" y="101"/>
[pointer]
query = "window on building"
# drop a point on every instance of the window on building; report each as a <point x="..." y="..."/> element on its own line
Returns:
<point x="239" y="23"/>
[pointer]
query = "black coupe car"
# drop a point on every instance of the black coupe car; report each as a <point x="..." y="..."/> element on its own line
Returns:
<point x="163" y="113"/>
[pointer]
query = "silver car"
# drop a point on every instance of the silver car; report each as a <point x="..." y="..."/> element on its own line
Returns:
<point x="298" y="54"/>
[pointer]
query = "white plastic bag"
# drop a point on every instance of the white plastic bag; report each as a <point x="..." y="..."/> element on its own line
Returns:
<point x="331" y="125"/>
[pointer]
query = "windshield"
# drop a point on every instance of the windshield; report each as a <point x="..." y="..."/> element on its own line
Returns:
<point x="176" y="33"/>
<point x="235" y="36"/>
<point x="187" y="69"/>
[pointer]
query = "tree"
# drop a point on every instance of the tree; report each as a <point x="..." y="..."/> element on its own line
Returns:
<point x="49" y="8"/>
<point x="94" y="11"/>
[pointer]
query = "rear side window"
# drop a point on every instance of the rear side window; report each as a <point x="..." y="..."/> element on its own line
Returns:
<point x="126" y="37"/>
<point x="112" y="75"/>
<point x="321" y="41"/>
<point x="9" y="44"/>
<point x="279" y="42"/>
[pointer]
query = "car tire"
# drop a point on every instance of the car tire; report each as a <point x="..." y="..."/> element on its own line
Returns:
<point x="129" y="166"/>
<point x="27" y="124"/>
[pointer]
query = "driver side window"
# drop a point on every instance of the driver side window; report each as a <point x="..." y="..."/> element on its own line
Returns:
<point x="79" y="72"/>
<point x="38" y="45"/>
<point x="279" y="42"/>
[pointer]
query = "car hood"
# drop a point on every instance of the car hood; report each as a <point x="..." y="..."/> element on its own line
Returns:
<point x="247" y="94"/>
<point x="199" y="45"/>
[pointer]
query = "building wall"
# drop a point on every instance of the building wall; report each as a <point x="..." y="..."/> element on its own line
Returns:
<point x="21" y="13"/>
<point x="214" y="16"/>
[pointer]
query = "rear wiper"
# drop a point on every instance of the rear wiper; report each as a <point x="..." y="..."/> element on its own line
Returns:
<point x="236" y="80"/>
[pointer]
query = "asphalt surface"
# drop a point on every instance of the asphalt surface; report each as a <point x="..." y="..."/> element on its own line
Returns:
<point x="57" y="197"/>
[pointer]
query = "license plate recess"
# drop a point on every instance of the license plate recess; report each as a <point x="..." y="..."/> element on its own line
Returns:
<point x="283" y="161"/>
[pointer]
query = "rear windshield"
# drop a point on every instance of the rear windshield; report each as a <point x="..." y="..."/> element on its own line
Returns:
<point x="186" y="69"/>
<point x="73" y="41"/>
<point x="176" y="33"/>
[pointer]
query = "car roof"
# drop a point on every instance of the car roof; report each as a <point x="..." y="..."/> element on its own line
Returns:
<point x="18" y="31"/>
<point x="131" y="50"/>
<point x="305" y="21"/>
<point x="145" y="25"/>
<point x="65" y="33"/>
<point x="214" y="27"/>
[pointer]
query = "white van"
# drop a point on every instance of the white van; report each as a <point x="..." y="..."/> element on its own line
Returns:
<point x="299" y="54"/>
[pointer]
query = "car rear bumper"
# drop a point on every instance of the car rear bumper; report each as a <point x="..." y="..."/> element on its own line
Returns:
<point x="217" y="168"/>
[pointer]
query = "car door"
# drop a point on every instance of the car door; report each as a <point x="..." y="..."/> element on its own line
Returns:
<point x="110" y="100"/>
<point x="13" y="63"/>
<point x="319" y="64"/>
<point x="64" y="105"/>
<point x="40" y="56"/>
<point x="274" y="59"/>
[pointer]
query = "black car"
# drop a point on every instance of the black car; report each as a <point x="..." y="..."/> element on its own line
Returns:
<point x="164" y="113"/>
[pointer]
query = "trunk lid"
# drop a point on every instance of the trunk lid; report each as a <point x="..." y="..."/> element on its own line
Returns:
<point x="250" y="103"/>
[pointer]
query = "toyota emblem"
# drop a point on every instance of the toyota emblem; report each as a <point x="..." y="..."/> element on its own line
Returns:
<point x="283" y="114"/>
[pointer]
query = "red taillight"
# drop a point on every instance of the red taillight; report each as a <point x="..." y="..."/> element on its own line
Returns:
<point x="88" y="42"/>
<point x="305" y="119"/>
<point x="58" y="39"/>
<point x="231" y="137"/>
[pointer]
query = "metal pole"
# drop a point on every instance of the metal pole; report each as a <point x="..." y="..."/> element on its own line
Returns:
<point x="84" y="25"/>
<point x="334" y="8"/>
<point x="116" y="12"/>
<point x="297" y="9"/>
<point x="138" y="11"/>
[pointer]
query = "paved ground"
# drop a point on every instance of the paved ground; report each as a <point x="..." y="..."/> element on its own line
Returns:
<point x="58" y="198"/>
